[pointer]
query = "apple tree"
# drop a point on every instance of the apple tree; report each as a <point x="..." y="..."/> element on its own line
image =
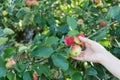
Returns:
<point x="33" y="32"/>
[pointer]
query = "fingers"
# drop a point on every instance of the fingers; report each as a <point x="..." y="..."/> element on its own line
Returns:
<point x="87" y="46"/>
<point x="86" y="40"/>
<point x="80" y="57"/>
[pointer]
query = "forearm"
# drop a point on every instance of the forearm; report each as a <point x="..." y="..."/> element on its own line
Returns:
<point x="112" y="64"/>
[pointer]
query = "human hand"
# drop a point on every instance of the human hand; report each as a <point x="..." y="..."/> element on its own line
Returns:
<point x="94" y="52"/>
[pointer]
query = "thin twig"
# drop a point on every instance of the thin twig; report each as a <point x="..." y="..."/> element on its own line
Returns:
<point x="101" y="29"/>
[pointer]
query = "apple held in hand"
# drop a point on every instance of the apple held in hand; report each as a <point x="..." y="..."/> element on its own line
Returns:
<point x="69" y="40"/>
<point x="77" y="40"/>
<point x="75" y="50"/>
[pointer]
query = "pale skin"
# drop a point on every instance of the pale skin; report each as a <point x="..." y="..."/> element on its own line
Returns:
<point x="96" y="53"/>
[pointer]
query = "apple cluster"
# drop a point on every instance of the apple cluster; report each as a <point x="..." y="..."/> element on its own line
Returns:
<point x="32" y="2"/>
<point x="75" y="44"/>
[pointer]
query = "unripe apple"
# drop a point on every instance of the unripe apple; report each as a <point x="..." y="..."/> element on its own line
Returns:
<point x="104" y="10"/>
<point x="102" y="23"/>
<point x="4" y="13"/>
<point x="75" y="50"/>
<point x="10" y="63"/>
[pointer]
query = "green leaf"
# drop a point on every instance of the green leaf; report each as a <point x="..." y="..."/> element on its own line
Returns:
<point x="22" y="12"/>
<point x="60" y="61"/>
<point x="1" y="32"/>
<point x="3" y="70"/>
<point x="91" y="71"/>
<point x="76" y="76"/>
<point x="3" y="40"/>
<point x="101" y="34"/>
<point x="19" y="66"/>
<point x="71" y="22"/>
<point x="52" y="40"/>
<point x="8" y="31"/>
<point x="73" y="33"/>
<point x="27" y="19"/>
<point x="42" y="52"/>
<point x="27" y="76"/>
<point x="22" y="49"/>
<point x="117" y="17"/>
<point x="37" y="18"/>
<point x="105" y="43"/>
<point x="63" y="29"/>
<point x="44" y="69"/>
<point x="9" y="52"/>
<point x="70" y="71"/>
<point x="10" y="75"/>
<point x="115" y="10"/>
<point x="116" y="51"/>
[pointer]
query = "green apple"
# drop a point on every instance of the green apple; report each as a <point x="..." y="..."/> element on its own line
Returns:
<point x="75" y="50"/>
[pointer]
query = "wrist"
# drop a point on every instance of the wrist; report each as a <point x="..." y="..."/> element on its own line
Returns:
<point x="105" y="57"/>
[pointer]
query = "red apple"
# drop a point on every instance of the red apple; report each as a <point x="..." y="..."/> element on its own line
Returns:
<point x="35" y="76"/>
<point x="80" y="21"/>
<point x="102" y="23"/>
<point x="77" y="40"/>
<point x="69" y="40"/>
<point x="28" y="2"/>
<point x="97" y="1"/>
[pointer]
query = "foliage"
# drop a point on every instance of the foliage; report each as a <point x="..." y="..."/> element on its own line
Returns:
<point x="33" y="36"/>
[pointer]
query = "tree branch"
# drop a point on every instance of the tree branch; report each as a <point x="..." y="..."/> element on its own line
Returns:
<point x="101" y="29"/>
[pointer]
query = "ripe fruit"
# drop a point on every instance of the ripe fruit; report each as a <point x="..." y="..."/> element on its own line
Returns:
<point x="35" y="76"/>
<point x="77" y="40"/>
<point x="102" y="23"/>
<point x="69" y="40"/>
<point x="10" y="63"/>
<point x="80" y="21"/>
<point x="75" y="50"/>
<point x="32" y="2"/>
<point x="35" y="3"/>
<point x="28" y="3"/>
<point x="97" y="1"/>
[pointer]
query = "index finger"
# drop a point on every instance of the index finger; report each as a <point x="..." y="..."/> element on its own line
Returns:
<point x="86" y="40"/>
